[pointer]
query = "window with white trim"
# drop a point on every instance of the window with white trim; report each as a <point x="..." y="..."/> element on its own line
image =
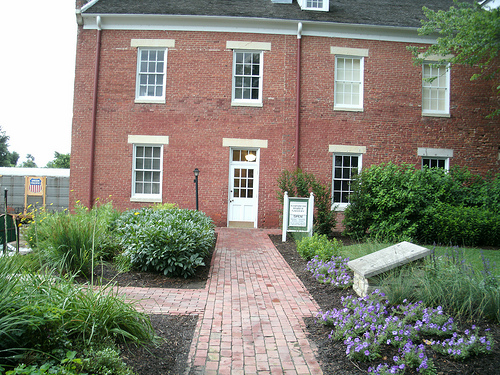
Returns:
<point x="348" y="90"/>
<point x="345" y="168"/>
<point x="151" y="74"/>
<point x="247" y="77"/>
<point x="435" y="157"/>
<point x="432" y="162"/>
<point x="323" y="5"/>
<point x="435" y="89"/>
<point x="147" y="172"/>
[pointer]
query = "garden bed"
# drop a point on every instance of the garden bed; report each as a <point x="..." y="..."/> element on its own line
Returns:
<point x="177" y="331"/>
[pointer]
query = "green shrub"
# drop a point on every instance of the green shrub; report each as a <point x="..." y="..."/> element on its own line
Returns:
<point x="105" y="361"/>
<point x="391" y="203"/>
<point x="72" y="242"/>
<point x="318" y="245"/>
<point x="300" y="184"/>
<point x="43" y="313"/>
<point x="173" y="242"/>
<point x="458" y="225"/>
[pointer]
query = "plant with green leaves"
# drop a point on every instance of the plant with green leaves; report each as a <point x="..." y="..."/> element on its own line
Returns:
<point x="392" y="203"/>
<point x="72" y="243"/>
<point x="174" y="242"/>
<point x="318" y="245"/>
<point x="41" y="314"/>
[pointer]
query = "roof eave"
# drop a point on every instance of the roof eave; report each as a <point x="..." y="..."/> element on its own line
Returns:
<point x="253" y="25"/>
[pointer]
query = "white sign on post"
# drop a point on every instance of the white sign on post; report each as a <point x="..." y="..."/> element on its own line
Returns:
<point x="297" y="215"/>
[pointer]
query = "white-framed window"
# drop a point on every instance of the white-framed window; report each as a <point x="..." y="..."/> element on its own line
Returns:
<point x="345" y="167"/>
<point x="147" y="172"/>
<point x="435" y="157"/>
<point x="322" y="5"/>
<point x="435" y="89"/>
<point x="430" y="162"/>
<point x="151" y="75"/>
<point x="348" y="90"/>
<point x="347" y="163"/>
<point x="247" y="77"/>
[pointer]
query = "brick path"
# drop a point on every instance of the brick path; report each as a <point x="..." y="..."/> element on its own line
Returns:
<point x="250" y="313"/>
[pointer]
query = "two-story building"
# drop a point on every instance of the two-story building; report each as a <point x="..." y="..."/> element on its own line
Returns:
<point x="242" y="90"/>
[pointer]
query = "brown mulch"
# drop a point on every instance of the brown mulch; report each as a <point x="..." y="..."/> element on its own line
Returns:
<point x="176" y="332"/>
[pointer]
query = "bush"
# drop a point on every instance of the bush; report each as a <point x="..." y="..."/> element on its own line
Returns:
<point x="391" y="203"/>
<point x="173" y="242"/>
<point x="41" y="314"/>
<point x="458" y="225"/>
<point x="71" y="242"/>
<point x="318" y="245"/>
<point x="300" y="184"/>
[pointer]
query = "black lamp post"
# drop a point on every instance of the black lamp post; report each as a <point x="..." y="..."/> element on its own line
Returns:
<point x="196" y="174"/>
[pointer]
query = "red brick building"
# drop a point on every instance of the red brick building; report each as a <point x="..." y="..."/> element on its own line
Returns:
<point x="243" y="90"/>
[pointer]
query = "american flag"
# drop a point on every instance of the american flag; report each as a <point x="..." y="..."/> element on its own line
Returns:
<point x="35" y="185"/>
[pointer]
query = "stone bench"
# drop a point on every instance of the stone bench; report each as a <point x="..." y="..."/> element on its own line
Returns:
<point x="369" y="267"/>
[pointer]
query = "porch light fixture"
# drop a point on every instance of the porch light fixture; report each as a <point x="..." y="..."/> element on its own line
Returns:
<point x="250" y="157"/>
<point x="196" y="174"/>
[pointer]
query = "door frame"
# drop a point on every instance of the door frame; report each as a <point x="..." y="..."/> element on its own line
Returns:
<point x="256" y="167"/>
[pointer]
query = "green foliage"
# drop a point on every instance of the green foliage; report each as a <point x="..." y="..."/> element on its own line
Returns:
<point x="60" y="161"/>
<point x="464" y="226"/>
<point x="174" y="241"/>
<point x="105" y="361"/>
<point x="469" y="33"/>
<point x="68" y="366"/>
<point x="448" y="281"/>
<point x="300" y="184"/>
<point x="164" y="206"/>
<point x="318" y="245"/>
<point x="72" y="242"/>
<point x="42" y="314"/>
<point x="399" y="202"/>
<point x="29" y="163"/>
<point x="7" y="158"/>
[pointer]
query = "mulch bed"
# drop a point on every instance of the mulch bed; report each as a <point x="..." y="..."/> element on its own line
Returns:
<point x="176" y="332"/>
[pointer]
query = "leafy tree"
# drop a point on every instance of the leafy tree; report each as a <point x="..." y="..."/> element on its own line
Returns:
<point x="468" y="32"/>
<point x="30" y="162"/>
<point x="60" y="161"/>
<point x="7" y="159"/>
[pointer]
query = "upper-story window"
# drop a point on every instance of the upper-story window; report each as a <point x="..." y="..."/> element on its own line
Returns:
<point x="323" y="5"/>
<point x="247" y="77"/>
<point x="435" y="89"/>
<point x="151" y="74"/>
<point x="248" y="66"/>
<point x="348" y="88"/>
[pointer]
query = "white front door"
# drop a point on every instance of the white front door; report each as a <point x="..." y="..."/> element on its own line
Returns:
<point x="243" y="188"/>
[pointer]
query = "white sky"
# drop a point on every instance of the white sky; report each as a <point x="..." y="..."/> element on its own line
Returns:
<point x="37" y="66"/>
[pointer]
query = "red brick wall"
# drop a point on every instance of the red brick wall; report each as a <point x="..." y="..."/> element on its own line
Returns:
<point x="197" y="115"/>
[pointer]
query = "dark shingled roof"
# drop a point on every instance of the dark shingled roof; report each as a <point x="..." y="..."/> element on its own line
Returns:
<point x="405" y="13"/>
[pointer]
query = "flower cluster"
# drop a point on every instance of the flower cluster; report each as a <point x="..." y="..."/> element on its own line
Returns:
<point x="385" y="369"/>
<point x="464" y="345"/>
<point x="332" y="272"/>
<point x="368" y="323"/>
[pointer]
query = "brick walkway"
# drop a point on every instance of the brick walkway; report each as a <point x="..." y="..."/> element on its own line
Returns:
<point x="250" y="313"/>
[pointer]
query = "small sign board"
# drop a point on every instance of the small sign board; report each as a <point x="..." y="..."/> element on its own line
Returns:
<point x="297" y="215"/>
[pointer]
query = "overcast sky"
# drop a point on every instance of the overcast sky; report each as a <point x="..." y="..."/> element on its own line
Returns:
<point x="37" y="63"/>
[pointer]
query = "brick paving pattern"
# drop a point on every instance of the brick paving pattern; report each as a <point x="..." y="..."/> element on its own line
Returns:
<point x="250" y="313"/>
